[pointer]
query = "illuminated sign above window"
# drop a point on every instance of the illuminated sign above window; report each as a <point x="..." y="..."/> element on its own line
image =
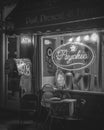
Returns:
<point x="26" y="39"/>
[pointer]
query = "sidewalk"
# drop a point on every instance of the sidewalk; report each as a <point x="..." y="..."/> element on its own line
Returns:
<point x="9" y="120"/>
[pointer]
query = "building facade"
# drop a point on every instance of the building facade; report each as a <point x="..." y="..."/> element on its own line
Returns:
<point x="56" y="36"/>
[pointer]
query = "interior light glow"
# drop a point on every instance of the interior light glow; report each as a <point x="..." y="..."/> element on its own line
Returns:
<point x="86" y="38"/>
<point x="71" y="39"/>
<point x="47" y="42"/>
<point x="94" y="37"/>
<point x="78" y="39"/>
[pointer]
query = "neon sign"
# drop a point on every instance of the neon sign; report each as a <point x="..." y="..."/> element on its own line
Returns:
<point x="73" y="56"/>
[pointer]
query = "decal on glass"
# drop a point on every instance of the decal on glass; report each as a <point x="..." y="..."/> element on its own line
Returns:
<point x="23" y="66"/>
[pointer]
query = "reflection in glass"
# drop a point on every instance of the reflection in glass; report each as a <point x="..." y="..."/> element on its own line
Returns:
<point x="95" y="80"/>
<point x="69" y="81"/>
<point x="60" y="79"/>
<point x="86" y="81"/>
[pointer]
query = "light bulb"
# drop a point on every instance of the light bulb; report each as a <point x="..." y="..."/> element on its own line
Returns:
<point x="94" y="37"/>
<point x="78" y="39"/>
<point x="86" y="38"/>
<point x="71" y="39"/>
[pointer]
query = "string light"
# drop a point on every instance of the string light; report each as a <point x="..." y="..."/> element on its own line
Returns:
<point x="70" y="40"/>
<point x="94" y="37"/>
<point x="78" y="39"/>
<point x="86" y="38"/>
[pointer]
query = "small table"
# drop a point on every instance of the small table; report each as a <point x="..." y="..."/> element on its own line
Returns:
<point x="71" y="105"/>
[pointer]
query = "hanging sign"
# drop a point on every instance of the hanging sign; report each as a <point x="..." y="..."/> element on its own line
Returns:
<point x="23" y="66"/>
<point x="73" y="56"/>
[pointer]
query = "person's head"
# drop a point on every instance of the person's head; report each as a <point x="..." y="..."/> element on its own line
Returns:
<point x="60" y="78"/>
<point x="47" y="87"/>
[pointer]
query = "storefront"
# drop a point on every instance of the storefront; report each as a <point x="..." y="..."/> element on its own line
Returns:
<point x="68" y="43"/>
<point x="78" y="58"/>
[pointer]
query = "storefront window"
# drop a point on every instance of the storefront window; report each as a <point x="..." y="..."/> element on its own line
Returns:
<point x="77" y="55"/>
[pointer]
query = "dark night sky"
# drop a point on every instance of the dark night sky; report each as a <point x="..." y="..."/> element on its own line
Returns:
<point x="29" y="4"/>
